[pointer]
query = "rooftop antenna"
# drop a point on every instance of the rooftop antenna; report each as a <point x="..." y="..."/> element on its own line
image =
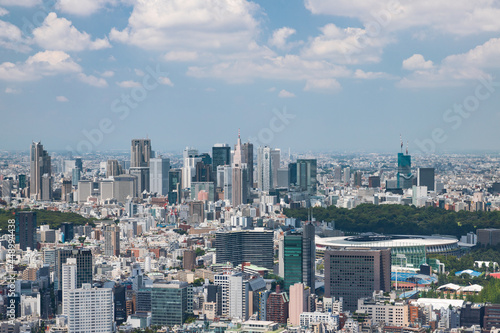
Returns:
<point x="401" y="139"/>
<point x="238" y="133"/>
<point x="406" y="147"/>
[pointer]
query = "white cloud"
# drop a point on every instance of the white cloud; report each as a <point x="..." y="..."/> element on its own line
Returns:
<point x="62" y="99"/>
<point x="165" y="81"/>
<point x="360" y="74"/>
<point x="12" y="38"/>
<point x="108" y="74"/>
<point x="289" y="67"/>
<point x="455" y="69"/>
<point x="41" y="64"/>
<point x="91" y="80"/>
<point x="139" y="72"/>
<point x="456" y="17"/>
<point x="417" y="61"/>
<point x="285" y="94"/>
<point x="188" y="26"/>
<point x="280" y="36"/>
<point x="128" y="84"/>
<point x="9" y="90"/>
<point x="181" y="56"/>
<point x="346" y="45"/>
<point x="3" y="11"/>
<point x="59" y="34"/>
<point x="322" y="85"/>
<point x="83" y="7"/>
<point x="20" y="3"/>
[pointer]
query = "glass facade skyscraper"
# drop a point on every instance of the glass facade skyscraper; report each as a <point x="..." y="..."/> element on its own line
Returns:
<point x="245" y="246"/>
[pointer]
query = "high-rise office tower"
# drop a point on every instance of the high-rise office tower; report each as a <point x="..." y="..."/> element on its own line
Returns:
<point x="75" y="176"/>
<point x="190" y="159"/>
<point x="112" y="240"/>
<point x="268" y="161"/>
<point x="203" y="172"/>
<point x="171" y="301"/>
<point x="225" y="180"/>
<point x="158" y="175"/>
<point x="239" y="184"/>
<point x="67" y="229"/>
<point x="39" y="166"/>
<point x="113" y="168"/>
<point x="143" y="180"/>
<point x="356" y="273"/>
<point x="347" y="175"/>
<point x="404" y="176"/>
<point x="306" y="175"/>
<point x="425" y="177"/>
<point x="292" y="174"/>
<point x="221" y="155"/>
<point x="374" y="181"/>
<point x="26" y="230"/>
<point x="247" y="157"/>
<point x="83" y="263"/>
<point x="358" y="178"/>
<point x="299" y="295"/>
<point x="91" y="310"/>
<point x="140" y="153"/>
<point x="68" y="282"/>
<point x="174" y="186"/>
<point x="253" y="246"/>
<point x="337" y="173"/>
<point x="298" y="257"/>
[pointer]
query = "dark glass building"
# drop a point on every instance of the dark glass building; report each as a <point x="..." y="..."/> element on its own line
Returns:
<point x="356" y="273"/>
<point x="221" y="155"/>
<point x="306" y="175"/>
<point x="26" y="230"/>
<point x="299" y="254"/>
<point x="83" y="265"/>
<point x="171" y="302"/>
<point x="245" y="246"/>
<point x="68" y="231"/>
<point x="404" y="176"/>
<point x="425" y="177"/>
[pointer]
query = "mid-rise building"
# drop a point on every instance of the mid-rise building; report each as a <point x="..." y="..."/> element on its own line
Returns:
<point x="91" y="310"/>
<point x="255" y="246"/>
<point x="353" y="273"/>
<point x="26" y="230"/>
<point x="171" y="302"/>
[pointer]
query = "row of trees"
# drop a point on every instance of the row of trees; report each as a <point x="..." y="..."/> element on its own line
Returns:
<point x="400" y="219"/>
<point x="52" y="218"/>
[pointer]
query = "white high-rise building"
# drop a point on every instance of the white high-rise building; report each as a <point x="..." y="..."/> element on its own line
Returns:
<point x="189" y="167"/>
<point x="268" y="162"/>
<point x="158" y="175"/>
<point x="91" y="310"/>
<point x="68" y="282"/>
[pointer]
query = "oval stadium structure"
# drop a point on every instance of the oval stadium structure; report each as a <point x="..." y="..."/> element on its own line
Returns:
<point x="415" y="248"/>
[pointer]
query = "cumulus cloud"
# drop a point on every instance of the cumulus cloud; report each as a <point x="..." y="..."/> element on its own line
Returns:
<point x="12" y="38"/>
<point x="60" y="34"/>
<point x="285" y="94"/>
<point x="83" y="7"/>
<point x="3" y="11"/>
<point x="62" y="99"/>
<point x="107" y="74"/>
<point x="9" y="90"/>
<point x="346" y="45"/>
<point x="166" y="81"/>
<point x="455" y="69"/>
<point x="92" y="80"/>
<point x="128" y="84"/>
<point x="46" y="63"/>
<point x="280" y="36"/>
<point x="322" y="85"/>
<point x="456" y="17"/>
<point x="417" y="61"/>
<point x="186" y="26"/>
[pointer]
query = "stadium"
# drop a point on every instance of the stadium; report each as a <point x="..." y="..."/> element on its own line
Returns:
<point x="407" y="250"/>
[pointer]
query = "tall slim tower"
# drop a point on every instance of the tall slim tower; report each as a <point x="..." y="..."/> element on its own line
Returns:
<point x="264" y="169"/>
<point x="112" y="240"/>
<point x="39" y="166"/>
<point x="68" y="282"/>
<point x="159" y="168"/>
<point x="140" y="153"/>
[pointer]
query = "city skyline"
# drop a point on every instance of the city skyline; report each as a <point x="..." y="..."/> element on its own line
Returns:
<point x="351" y="75"/>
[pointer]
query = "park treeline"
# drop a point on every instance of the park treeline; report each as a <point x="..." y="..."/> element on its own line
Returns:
<point x="399" y="219"/>
<point x="52" y="218"/>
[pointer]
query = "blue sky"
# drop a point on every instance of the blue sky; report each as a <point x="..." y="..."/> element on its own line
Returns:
<point x="351" y="75"/>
